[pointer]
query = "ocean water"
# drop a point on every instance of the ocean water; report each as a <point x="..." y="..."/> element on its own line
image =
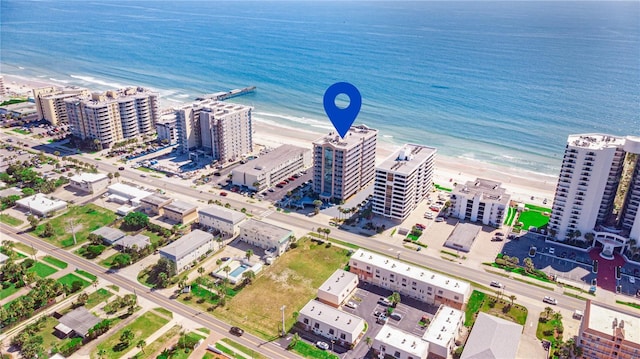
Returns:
<point x="497" y="82"/>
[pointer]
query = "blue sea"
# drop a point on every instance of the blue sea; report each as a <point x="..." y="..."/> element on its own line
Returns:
<point x="497" y="82"/>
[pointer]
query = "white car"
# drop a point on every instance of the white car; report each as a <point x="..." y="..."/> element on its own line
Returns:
<point x="351" y="304"/>
<point x="550" y="300"/>
<point x="552" y="250"/>
<point x="496" y="284"/>
<point x="322" y="345"/>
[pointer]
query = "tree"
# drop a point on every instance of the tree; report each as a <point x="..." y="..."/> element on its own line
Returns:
<point x="116" y="175"/>
<point x="248" y="276"/>
<point x="33" y="221"/>
<point x="121" y="260"/>
<point x="48" y="230"/>
<point x="141" y="344"/>
<point x="82" y="299"/>
<point x="102" y="353"/>
<point x="248" y="254"/>
<point x="227" y="269"/>
<point x="94" y="238"/>
<point x="110" y="175"/>
<point x="136" y="220"/>
<point x="56" y="153"/>
<point x="369" y="341"/>
<point x="127" y="336"/>
<point x="317" y="203"/>
<point x="528" y="265"/>
<point x="294" y="341"/>
<point x="326" y="232"/>
<point x="201" y="270"/>
<point x="395" y="299"/>
<point x="513" y="298"/>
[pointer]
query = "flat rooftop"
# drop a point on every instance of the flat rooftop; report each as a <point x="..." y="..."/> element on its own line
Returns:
<point x="595" y="141"/>
<point x="273" y="232"/>
<point x="602" y="318"/>
<point x="339" y="280"/>
<point x="129" y="192"/>
<point x="486" y="188"/>
<point x="109" y="234"/>
<point x="403" y="341"/>
<point x="139" y="240"/>
<point x="354" y="137"/>
<point x="492" y="337"/>
<point x="223" y="214"/>
<point x="187" y="244"/>
<point x="88" y="177"/>
<point x="463" y="236"/>
<point x="155" y="199"/>
<point x="41" y="203"/>
<point x="272" y="160"/>
<point x="80" y="320"/>
<point x="407" y="159"/>
<point x="444" y="326"/>
<point x="331" y="316"/>
<point x="180" y="207"/>
<point x="408" y="270"/>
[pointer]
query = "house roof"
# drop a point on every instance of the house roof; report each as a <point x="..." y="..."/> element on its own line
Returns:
<point x="331" y="316"/>
<point x="223" y="214"/>
<point x="268" y="230"/>
<point x="180" y="207"/>
<point x="88" y="177"/>
<point x="492" y="338"/>
<point x="187" y="244"/>
<point x="338" y="282"/>
<point x="397" y="339"/>
<point x="109" y="234"/>
<point x="80" y="320"/>
<point x="139" y="240"/>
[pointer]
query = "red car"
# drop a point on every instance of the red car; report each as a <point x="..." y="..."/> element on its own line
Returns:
<point x="421" y="226"/>
<point x="223" y="194"/>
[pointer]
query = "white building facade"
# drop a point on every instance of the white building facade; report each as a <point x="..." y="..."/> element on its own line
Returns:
<point x="271" y="168"/>
<point x="188" y="248"/>
<point x="89" y="182"/>
<point x="443" y="331"/>
<point x="324" y="320"/>
<point x="273" y="239"/>
<point x="219" y="218"/>
<point x="396" y="343"/>
<point x="482" y="201"/>
<point x="50" y="102"/>
<point x="403" y="181"/>
<point x="335" y="290"/>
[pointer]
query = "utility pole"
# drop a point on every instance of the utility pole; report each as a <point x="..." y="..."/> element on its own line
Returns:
<point x="283" y="307"/>
<point x="73" y="230"/>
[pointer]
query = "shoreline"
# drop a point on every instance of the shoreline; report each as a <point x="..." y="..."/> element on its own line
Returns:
<point x="520" y="183"/>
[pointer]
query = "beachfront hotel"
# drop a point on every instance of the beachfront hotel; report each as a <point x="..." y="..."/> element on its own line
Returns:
<point x="409" y="280"/>
<point x="113" y="116"/>
<point x="599" y="191"/>
<point x="343" y="166"/>
<point x="222" y="131"/>
<point x="403" y="180"/>
<point x="608" y="332"/>
<point x="481" y="200"/>
<point x="50" y="102"/>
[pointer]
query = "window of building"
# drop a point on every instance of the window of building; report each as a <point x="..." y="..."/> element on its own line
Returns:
<point x="317" y="326"/>
<point x="396" y="354"/>
<point x="439" y="292"/>
<point x="343" y="336"/>
<point x="331" y="331"/>
<point x="306" y="320"/>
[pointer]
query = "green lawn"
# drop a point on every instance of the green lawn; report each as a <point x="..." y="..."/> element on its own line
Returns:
<point x="208" y="356"/>
<point x="533" y="218"/>
<point x="86" y="275"/>
<point x="70" y="278"/>
<point x="441" y="188"/>
<point x="228" y="351"/>
<point x="241" y="348"/>
<point x="165" y="340"/>
<point x="97" y="297"/>
<point x="310" y="351"/>
<point x="55" y="261"/>
<point x="482" y="302"/>
<point x="87" y="218"/>
<point x="42" y="270"/>
<point x="153" y="236"/>
<point x="48" y="338"/>
<point x="548" y="325"/>
<point x="165" y="312"/>
<point x="511" y="215"/>
<point x="533" y="207"/>
<point x="142" y="328"/>
<point x="24" y="248"/>
<point x="6" y="292"/>
<point x="107" y="262"/>
<point x="17" y="255"/>
<point x="12" y="221"/>
<point x="19" y="130"/>
<point x="292" y="281"/>
<point x="473" y="306"/>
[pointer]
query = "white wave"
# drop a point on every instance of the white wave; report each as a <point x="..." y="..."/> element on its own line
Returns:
<point x="20" y="67"/>
<point x="93" y="80"/>
<point x="280" y="124"/>
<point x="387" y="136"/>
<point x="304" y="120"/>
<point x="57" y="80"/>
<point x="183" y="95"/>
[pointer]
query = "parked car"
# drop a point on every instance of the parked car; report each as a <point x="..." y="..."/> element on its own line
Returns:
<point x="120" y="168"/>
<point x="381" y="319"/>
<point x="552" y="250"/>
<point x="322" y="345"/>
<point x="223" y="194"/>
<point x="384" y="301"/>
<point x="421" y="226"/>
<point x="395" y="316"/>
<point x="439" y="219"/>
<point x="550" y="300"/>
<point x="497" y="239"/>
<point x="496" y="284"/>
<point x="236" y="331"/>
<point x="351" y="304"/>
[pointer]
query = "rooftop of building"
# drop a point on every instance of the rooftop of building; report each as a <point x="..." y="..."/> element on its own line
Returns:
<point x="180" y="207"/>
<point x="463" y="235"/>
<point x="88" y="177"/>
<point x="595" y="141"/>
<point x="354" y="137"/>
<point x="139" y="240"/>
<point x="155" y="199"/>
<point x="109" y="234"/>
<point x="488" y="189"/>
<point x="331" y="316"/>
<point x="609" y="320"/>
<point x="11" y="191"/>
<point x="443" y="326"/>
<point x="337" y="282"/>
<point x="99" y="98"/>
<point x="80" y="320"/>
<point x="492" y="337"/>
<point x="273" y="232"/>
<point x="401" y="340"/>
<point x="128" y="191"/>
<point x="412" y="271"/>
<point x="218" y="108"/>
<point x="407" y="159"/>
<point x="41" y="203"/>
<point x="267" y="162"/>
<point x="223" y="214"/>
<point x="187" y="243"/>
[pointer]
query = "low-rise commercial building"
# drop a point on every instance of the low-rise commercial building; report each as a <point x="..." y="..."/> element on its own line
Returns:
<point x="154" y="204"/>
<point x="226" y="221"/>
<point x="443" y="331"/>
<point x="181" y="212"/>
<point x="139" y="241"/>
<point x="122" y="193"/>
<point x="109" y="235"/>
<point x="481" y="200"/>
<point x="492" y="338"/>
<point x="608" y="332"/>
<point x="41" y="205"/>
<point x="273" y="167"/>
<point x="396" y="343"/>
<point x="188" y="248"/>
<point x="273" y="239"/>
<point x="462" y="237"/>
<point x="335" y="290"/>
<point x="324" y="320"/>
<point x="409" y="280"/>
<point x="89" y="182"/>
<point x="77" y="322"/>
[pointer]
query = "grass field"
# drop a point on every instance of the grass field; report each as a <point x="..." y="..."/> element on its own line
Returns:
<point x="473" y="306"/>
<point x="291" y="281"/>
<point x="24" y="248"/>
<point x="107" y="262"/>
<point x="533" y="207"/>
<point x="42" y="270"/>
<point x="97" y="297"/>
<point x="307" y="350"/>
<point x="21" y="131"/>
<point x="153" y="236"/>
<point x="86" y="274"/>
<point x="549" y="325"/>
<point x="159" y="344"/>
<point x="70" y="278"/>
<point x="87" y="218"/>
<point x="482" y="302"/>
<point x="6" y="292"/>
<point x="230" y="353"/>
<point x="511" y="215"/>
<point x="533" y="218"/>
<point x="239" y="347"/>
<point x="142" y="327"/>
<point x="55" y="261"/>
<point x="12" y="221"/>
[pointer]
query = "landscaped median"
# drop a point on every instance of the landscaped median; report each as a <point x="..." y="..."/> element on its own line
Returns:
<point x="498" y="306"/>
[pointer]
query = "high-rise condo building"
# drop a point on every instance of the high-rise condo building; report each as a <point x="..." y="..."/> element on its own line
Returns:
<point x="113" y="116"/>
<point x="50" y="102"/>
<point x="403" y="180"/>
<point x="3" y="91"/>
<point x="598" y="190"/>
<point x="343" y="166"/>
<point x="607" y="332"/>
<point x="481" y="200"/>
<point x="223" y="130"/>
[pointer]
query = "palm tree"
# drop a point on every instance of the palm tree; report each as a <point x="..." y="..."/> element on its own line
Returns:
<point x="294" y="341"/>
<point x="127" y="336"/>
<point x="227" y="269"/>
<point x="513" y="298"/>
<point x="327" y="231"/>
<point x="141" y="344"/>
<point x="116" y="175"/>
<point x="248" y="276"/>
<point x="547" y="312"/>
<point x="201" y="270"/>
<point x="248" y="254"/>
<point x="395" y="299"/>
<point x="369" y="341"/>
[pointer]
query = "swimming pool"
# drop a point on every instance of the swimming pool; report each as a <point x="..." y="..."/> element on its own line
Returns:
<point x="238" y="271"/>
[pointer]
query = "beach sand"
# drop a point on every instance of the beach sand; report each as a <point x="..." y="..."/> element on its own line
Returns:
<point x="521" y="184"/>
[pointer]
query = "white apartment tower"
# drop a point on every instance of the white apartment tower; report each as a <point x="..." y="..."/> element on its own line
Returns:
<point x="403" y="180"/>
<point x="343" y="166"/>
<point x="114" y="115"/>
<point x="3" y="91"/>
<point x="226" y="131"/>
<point x="50" y="102"/>
<point x="481" y="200"/>
<point x="598" y="188"/>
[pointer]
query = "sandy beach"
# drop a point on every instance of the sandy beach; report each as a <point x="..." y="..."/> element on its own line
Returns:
<point x="522" y="185"/>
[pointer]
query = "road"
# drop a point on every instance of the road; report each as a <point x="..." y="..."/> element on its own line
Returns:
<point x="269" y="349"/>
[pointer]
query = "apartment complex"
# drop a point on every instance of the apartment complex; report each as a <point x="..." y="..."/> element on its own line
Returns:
<point x="223" y="130"/>
<point x="168" y="131"/>
<point x="337" y="288"/>
<point x="445" y="327"/>
<point x="343" y="166"/>
<point x="403" y="180"/>
<point x="221" y="219"/>
<point x="396" y="343"/>
<point x="50" y="102"/>
<point x="180" y="212"/>
<point x="598" y="189"/>
<point x="113" y="116"/>
<point x="269" y="169"/>
<point x="481" y="200"/>
<point x="409" y="280"/>
<point x="273" y="239"/>
<point x="324" y="320"/>
<point x="607" y="332"/>
<point x="188" y="248"/>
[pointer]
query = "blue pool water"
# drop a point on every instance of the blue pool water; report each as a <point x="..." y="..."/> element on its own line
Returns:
<point x="238" y="271"/>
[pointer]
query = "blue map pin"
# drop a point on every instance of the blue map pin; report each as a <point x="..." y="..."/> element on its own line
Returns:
<point x="342" y="118"/>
